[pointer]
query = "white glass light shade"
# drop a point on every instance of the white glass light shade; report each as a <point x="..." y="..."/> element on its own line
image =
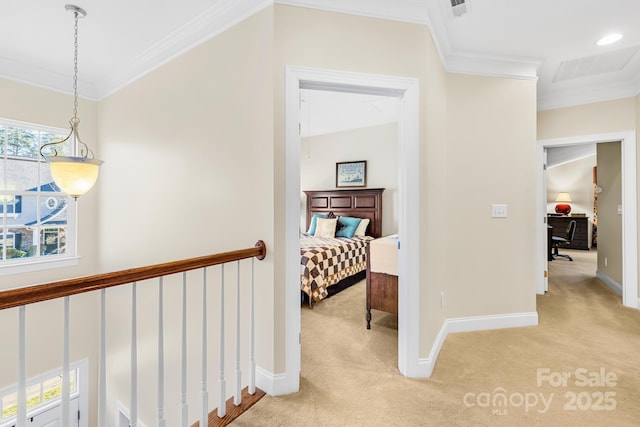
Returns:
<point x="74" y="175"/>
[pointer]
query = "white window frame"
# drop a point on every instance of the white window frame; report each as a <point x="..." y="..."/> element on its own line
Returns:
<point x="39" y="262"/>
<point x="81" y="393"/>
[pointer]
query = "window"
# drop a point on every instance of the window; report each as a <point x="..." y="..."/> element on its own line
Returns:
<point x="43" y="393"/>
<point x="37" y="220"/>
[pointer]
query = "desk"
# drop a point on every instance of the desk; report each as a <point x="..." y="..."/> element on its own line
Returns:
<point x="581" y="236"/>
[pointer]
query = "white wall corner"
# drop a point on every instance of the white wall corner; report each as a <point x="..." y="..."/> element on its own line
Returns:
<point x="470" y="324"/>
<point x="425" y="366"/>
<point x="272" y="384"/>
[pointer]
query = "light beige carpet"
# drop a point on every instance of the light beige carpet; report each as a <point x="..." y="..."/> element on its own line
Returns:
<point x="350" y="378"/>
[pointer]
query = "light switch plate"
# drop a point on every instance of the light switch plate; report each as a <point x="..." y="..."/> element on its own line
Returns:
<point x="498" y="211"/>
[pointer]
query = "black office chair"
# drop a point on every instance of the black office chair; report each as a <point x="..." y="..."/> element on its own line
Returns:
<point x="562" y="241"/>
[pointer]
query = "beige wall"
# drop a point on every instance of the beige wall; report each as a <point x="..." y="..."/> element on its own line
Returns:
<point x="44" y="320"/>
<point x="601" y="117"/>
<point x="433" y="165"/>
<point x="491" y="159"/>
<point x="378" y="145"/>
<point x="188" y="153"/>
<point x="609" y="220"/>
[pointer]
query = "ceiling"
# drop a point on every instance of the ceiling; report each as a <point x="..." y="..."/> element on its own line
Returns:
<point x="552" y="41"/>
<point x="557" y="156"/>
<point x="323" y="112"/>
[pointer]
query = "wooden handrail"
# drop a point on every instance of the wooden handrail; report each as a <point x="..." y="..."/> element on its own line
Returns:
<point x="38" y="293"/>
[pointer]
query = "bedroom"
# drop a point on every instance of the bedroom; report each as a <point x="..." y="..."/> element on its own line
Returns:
<point x="344" y="127"/>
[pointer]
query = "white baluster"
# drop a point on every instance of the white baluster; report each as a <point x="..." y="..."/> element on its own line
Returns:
<point x="183" y="381"/>
<point x="237" y="399"/>
<point x="222" y="405"/>
<point x="102" y="368"/>
<point x="204" y="416"/>
<point x="64" y="418"/>
<point x="252" y="320"/>
<point x="160" y="422"/>
<point x="22" y="368"/>
<point x="133" y="411"/>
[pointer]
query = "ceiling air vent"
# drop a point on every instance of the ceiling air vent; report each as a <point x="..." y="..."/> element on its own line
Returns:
<point x="589" y="66"/>
<point x="459" y="7"/>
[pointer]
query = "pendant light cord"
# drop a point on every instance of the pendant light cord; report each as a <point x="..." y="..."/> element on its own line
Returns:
<point x="75" y="68"/>
<point x="78" y="146"/>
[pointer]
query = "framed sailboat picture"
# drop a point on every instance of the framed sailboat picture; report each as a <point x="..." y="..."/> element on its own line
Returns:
<point x="351" y="174"/>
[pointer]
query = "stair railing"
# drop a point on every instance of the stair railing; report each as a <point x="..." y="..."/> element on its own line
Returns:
<point x="25" y="296"/>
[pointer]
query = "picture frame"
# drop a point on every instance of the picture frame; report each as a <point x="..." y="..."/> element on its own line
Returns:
<point x="351" y="174"/>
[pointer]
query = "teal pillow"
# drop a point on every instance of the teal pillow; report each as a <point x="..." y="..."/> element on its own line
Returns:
<point x="348" y="226"/>
<point x="314" y="220"/>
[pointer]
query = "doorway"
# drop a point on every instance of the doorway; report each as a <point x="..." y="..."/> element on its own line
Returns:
<point x="628" y="209"/>
<point x="408" y="212"/>
<point x="573" y="203"/>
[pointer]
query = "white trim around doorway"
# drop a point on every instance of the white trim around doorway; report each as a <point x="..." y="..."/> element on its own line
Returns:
<point x="406" y="89"/>
<point x="629" y="209"/>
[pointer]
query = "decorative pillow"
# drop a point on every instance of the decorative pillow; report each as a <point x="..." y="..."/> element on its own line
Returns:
<point x="326" y="227"/>
<point x="312" y="224"/>
<point x="349" y="226"/>
<point x="362" y="228"/>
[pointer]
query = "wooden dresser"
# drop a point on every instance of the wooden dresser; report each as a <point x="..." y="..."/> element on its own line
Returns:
<point x="581" y="237"/>
<point x="382" y="287"/>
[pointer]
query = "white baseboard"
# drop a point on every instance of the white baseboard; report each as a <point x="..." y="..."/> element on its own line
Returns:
<point x="500" y="321"/>
<point x="470" y="324"/>
<point x="609" y="282"/>
<point x="272" y="384"/>
<point x="278" y="384"/>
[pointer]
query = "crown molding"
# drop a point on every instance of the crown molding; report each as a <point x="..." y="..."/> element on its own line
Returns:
<point x="224" y="14"/>
<point x="46" y="79"/>
<point x="413" y="11"/>
<point x="219" y="18"/>
<point x="587" y="94"/>
<point x="492" y="66"/>
<point x="455" y="61"/>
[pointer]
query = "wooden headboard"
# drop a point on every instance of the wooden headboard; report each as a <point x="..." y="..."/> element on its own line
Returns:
<point x="364" y="203"/>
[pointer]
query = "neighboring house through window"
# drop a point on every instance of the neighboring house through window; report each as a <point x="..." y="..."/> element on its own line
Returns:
<point x="37" y="220"/>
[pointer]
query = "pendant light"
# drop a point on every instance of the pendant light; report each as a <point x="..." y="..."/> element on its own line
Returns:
<point x="74" y="175"/>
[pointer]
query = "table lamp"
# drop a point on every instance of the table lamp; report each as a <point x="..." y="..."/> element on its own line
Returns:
<point x="563" y="208"/>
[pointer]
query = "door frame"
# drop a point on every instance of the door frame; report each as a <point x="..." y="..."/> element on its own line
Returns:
<point x="629" y="208"/>
<point x="407" y="89"/>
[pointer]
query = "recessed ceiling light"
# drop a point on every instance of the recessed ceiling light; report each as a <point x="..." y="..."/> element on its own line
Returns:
<point x="608" y="39"/>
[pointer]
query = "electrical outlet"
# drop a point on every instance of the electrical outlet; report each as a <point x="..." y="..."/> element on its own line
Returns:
<point x="605" y="261"/>
<point x="442" y="299"/>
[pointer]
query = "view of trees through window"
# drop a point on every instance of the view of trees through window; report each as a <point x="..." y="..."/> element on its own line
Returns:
<point x="40" y="392"/>
<point x="34" y="214"/>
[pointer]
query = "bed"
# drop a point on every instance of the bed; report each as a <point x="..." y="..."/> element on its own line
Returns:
<point x="329" y="264"/>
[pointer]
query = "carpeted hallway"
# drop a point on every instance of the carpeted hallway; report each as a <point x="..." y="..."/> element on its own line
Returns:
<point x="580" y="366"/>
